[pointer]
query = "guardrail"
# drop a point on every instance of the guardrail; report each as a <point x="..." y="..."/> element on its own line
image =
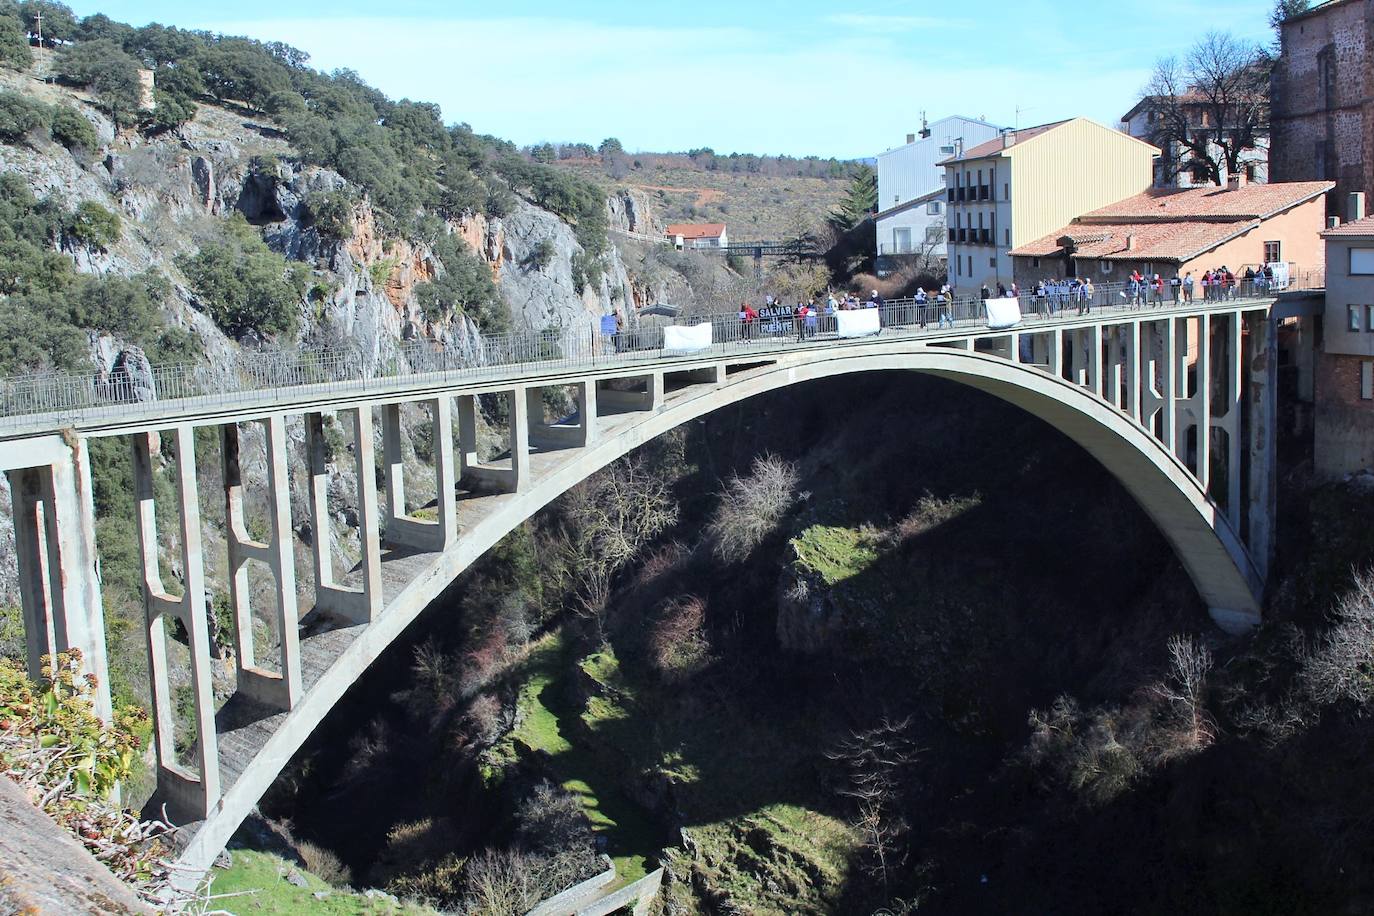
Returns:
<point x="260" y="376"/>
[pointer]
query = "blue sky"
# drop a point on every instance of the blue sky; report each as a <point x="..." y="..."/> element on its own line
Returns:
<point x="800" y="77"/>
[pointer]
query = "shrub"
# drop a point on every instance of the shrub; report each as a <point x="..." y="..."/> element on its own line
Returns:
<point x="93" y="225"/>
<point x="1340" y="666"/>
<point x="751" y="508"/>
<point x="14" y="45"/>
<point x="552" y="818"/>
<point x="72" y="130"/>
<point x="678" y="643"/>
<point x="324" y="864"/>
<point x="57" y="750"/>
<point x="331" y="213"/>
<point x="541" y="255"/>
<point x="21" y="116"/>
<point x="171" y="110"/>
<point x="244" y="285"/>
<point x="464" y="286"/>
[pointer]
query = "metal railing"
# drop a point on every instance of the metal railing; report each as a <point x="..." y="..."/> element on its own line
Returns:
<point x="262" y="377"/>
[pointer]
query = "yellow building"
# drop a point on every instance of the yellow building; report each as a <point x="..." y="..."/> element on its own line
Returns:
<point x="1027" y="183"/>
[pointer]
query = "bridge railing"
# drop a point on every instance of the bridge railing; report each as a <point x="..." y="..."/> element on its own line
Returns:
<point x="257" y="374"/>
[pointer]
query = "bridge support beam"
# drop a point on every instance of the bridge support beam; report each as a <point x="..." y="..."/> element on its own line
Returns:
<point x="278" y="689"/>
<point x="354" y="605"/>
<point x="59" y="587"/>
<point x="189" y="795"/>
<point x="564" y="435"/>
<point x="1262" y="414"/>
<point x="651" y="398"/>
<point x="403" y="528"/>
<point x="487" y="476"/>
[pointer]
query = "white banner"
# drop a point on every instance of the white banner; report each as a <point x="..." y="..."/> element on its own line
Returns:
<point x="1003" y="313"/>
<point x="857" y="323"/>
<point x="681" y="339"/>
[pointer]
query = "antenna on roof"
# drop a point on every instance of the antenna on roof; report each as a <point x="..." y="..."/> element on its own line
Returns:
<point x="1020" y="109"/>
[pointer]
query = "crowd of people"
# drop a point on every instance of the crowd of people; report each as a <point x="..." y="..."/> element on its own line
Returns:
<point x="809" y="317"/>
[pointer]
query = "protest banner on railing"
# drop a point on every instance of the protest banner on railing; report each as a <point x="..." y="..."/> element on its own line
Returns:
<point x="857" y="323"/>
<point x="679" y="339"/>
<point x="1003" y="313"/>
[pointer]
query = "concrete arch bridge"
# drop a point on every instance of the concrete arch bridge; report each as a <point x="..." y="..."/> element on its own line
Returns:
<point x="1177" y="402"/>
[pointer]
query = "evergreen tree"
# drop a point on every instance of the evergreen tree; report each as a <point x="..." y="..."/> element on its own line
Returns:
<point x="859" y="203"/>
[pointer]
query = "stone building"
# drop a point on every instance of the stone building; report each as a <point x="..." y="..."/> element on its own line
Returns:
<point x="1322" y="108"/>
<point x="1344" y="377"/>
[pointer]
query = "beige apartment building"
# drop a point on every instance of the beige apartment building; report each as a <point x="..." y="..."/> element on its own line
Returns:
<point x="1027" y="183"/>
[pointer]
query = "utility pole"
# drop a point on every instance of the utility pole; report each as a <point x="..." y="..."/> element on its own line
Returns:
<point x="38" y="24"/>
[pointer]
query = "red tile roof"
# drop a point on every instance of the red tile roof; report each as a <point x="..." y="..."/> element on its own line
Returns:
<point x="697" y="230"/>
<point x="1253" y="201"/>
<point x="1154" y="241"/>
<point x="1359" y="228"/>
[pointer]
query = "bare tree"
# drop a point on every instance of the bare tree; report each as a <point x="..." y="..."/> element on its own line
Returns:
<point x="752" y="507"/>
<point x="875" y="761"/>
<point x="1211" y="107"/>
<point x="1183" y="689"/>
<point x="1340" y="666"/>
<point x="613" y="516"/>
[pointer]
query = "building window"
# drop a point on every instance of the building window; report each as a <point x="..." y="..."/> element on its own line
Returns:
<point x="1361" y="262"/>
<point x="992" y="262"/>
<point x="934" y="235"/>
<point x="1352" y="317"/>
<point x="901" y="241"/>
<point x="933" y="208"/>
<point x="1035" y="262"/>
<point x="1273" y="252"/>
<point x="1369" y="318"/>
<point x="980" y="221"/>
<point x="947" y="151"/>
<point x="1007" y="236"/>
<point x="1367" y="380"/>
<point x="1006" y="190"/>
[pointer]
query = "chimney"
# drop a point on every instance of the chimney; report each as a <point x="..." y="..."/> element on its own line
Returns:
<point x="1354" y="208"/>
<point x="1333" y="222"/>
<point x="910" y="138"/>
<point x="1008" y="138"/>
<point x="1130" y="242"/>
<point x="1235" y="182"/>
<point x="925" y="127"/>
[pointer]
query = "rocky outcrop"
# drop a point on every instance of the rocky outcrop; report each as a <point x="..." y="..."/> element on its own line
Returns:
<point x="631" y="210"/>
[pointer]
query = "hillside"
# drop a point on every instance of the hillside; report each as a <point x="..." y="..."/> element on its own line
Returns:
<point x="754" y="206"/>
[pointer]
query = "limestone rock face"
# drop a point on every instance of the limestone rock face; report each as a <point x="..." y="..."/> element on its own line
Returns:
<point x="630" y="210"/>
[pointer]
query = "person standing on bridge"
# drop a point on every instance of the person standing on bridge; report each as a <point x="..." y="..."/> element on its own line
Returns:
<point x="1187" y="287"/>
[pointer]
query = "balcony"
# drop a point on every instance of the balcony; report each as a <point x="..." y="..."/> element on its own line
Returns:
<point x="985" y="192"/>
<point x="951" y="195"/>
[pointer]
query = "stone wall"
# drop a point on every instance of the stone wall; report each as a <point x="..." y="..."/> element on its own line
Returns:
<point x="1344" y="442"/>
<point x="1323" y="108"/>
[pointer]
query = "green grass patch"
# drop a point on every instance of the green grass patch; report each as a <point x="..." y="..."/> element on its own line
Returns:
<point x="835" y="553"/>
<point x="547" y="725"/>
<point x="257" y="883"/>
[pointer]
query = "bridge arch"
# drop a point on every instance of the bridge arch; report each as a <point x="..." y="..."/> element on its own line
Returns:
<point x="1210" y="549"/>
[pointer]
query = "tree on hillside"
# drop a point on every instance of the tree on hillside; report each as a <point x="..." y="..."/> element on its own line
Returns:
<point x="859" y="202"/>
<point x="610" y="147"/>
<point x="59" y="25"/>
<point x="1211" y="107"/>
<point x="110" y="73"/>
<point x="14" y="45"/>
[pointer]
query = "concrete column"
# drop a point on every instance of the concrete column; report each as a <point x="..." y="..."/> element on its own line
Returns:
<point x="1054" y="352"/>
<point x="1203" y="401"/>
<point x="1175" y="381"/>
<point x="188" y="795"/>
<point x="31" y="554"/>
<point x="1133" y="375"/>
<point x="393" y="464"/>
<point x="713" y="374"/>
<point x="519" y="442"/>
<point x="277" y="689"/>
<point x="650" y="398"/>
<point x="1262" y="376"/>
<point x="1094" y="335"/>
<point x="1112" y="337"/>
<point x="1231" y="421"/>
<point x="654" y="388"/>
<point x="353" y="605"/>
<point x="486" y="476"/>
<point x="59" y="585"/>
<point x="405" y="529"/>
<point x="587" y="412"/>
